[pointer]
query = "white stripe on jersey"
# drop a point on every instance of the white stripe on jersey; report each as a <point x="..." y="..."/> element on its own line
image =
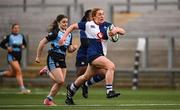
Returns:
<point x="104" y="44"/>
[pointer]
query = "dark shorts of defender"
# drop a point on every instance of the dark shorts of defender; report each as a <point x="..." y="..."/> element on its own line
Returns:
<point x="14" y="56"/>
<point x="53" y="63"/>
<point x="81" y="61"/>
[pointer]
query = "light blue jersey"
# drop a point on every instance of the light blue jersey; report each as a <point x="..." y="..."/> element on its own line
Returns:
<point x="54" y="38"/>
<point x="15" y="41"/>
<point x="57" y="53"/>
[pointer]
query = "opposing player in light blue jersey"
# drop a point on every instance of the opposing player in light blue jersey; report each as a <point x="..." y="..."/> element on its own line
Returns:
<point x="14" y="43"/>
<point x="96" y="31"/>
<point x="56" y="55"/>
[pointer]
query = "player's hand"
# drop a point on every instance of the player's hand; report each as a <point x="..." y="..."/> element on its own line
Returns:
<point x="120" y="31"/>
<point x="75" y="46"/>
<point x="113" y="31"/>
<point x="22" y="46"/>
<point x="9" y="49"/>
<point x="62" y="41"/>
<point x="72" y="48"/>
<point x="110" y="33"/>
<point x="37" y="60"/>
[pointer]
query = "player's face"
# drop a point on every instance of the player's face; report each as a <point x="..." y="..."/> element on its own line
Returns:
<point x="99" y="18"/>
<point x="16" y="29"/>
<point x="64" y="23"/>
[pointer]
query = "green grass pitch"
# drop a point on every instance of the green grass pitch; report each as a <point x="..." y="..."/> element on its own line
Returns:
<point x="143" y="99"/>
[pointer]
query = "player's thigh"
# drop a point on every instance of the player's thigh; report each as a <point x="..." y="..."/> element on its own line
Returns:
<point x="15" y="66"/>
<point x="57" y="74"/>
<point x="103" y="62"/>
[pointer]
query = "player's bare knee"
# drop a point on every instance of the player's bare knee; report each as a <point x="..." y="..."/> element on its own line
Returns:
<point x="60" y="81"/>
<point x="18" y="72"/>
<point x="111" y="67"/>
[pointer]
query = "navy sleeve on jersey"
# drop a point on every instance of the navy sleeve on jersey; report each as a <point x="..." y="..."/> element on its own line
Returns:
<point x="83" y="34"/>
<point x="52" y="35"/>
<point x="4" y="42"/>
<point x="82" y="25"/>
<point x="106" y="24"/>
<point x="24" y="41"/>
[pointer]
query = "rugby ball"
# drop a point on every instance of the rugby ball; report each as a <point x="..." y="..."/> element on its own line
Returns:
<point x="113" y="38"/>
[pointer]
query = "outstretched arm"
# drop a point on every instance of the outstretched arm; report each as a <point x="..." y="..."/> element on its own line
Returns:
<point x="40" y="48"/>
<point x="68" y="30"/>
<point x="120" y="31"/>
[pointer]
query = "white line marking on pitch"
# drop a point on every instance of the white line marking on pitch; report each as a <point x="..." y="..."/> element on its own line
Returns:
<point x="120" y="105"/>
<point x="36" y="93"/>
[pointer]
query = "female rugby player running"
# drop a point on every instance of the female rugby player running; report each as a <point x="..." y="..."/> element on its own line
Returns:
<point x="96" y="31"/>
<point x="14" y="43"/>
<point x="81" y="59"/>
<point x="56" y="55"/>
